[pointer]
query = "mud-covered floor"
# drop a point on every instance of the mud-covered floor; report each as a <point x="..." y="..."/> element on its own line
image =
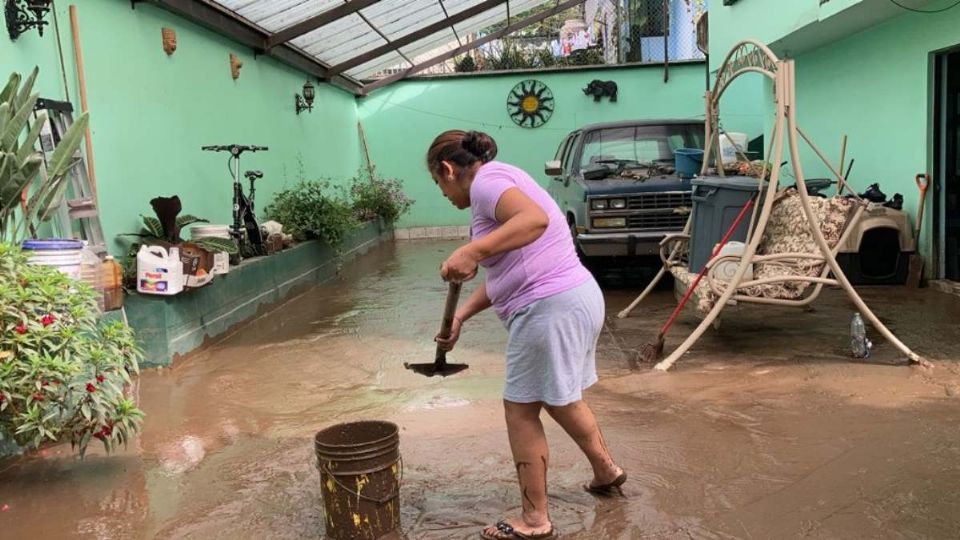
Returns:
<point x="765" y="430"/>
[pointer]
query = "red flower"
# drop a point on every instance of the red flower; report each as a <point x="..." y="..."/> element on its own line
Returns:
<point x="101" y="378"/>
<point x="44" y="383"/>
<point x="48" y="319"/>
<point x="3" y="398"/>
<point x="91" y="388"/>
<point x="21" y="329"/>
<point x="37" y="396"/>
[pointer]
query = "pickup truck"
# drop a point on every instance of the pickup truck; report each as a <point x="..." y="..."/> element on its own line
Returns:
<point x="617" y="184"/>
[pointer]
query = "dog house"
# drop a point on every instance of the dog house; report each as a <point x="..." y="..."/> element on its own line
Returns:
<point x="877" y="251"/>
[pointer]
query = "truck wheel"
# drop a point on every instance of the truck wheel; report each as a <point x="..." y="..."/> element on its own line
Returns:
<point x="573" y="236"/>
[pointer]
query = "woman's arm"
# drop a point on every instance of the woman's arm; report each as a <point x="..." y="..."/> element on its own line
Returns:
<point x="523" y="221"/>
<point x="477" y="302"/>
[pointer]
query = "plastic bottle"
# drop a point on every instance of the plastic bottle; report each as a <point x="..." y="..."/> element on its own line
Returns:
<point x="112" y="276"/>
<point x="859" y="344"/>
<point x="90" y="273"/>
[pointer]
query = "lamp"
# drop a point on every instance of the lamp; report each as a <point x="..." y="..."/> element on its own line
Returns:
<point x="23" y="15"/>
<point x="305" y="103"/>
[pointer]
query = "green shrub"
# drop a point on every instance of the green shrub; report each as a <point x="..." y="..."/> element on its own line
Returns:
<point x="383" y="197"/>
<point x="61" y="375"/>
<point x="312" y="209"/>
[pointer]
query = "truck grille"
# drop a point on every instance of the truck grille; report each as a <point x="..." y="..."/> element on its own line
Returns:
<point x="656" y="210"/>
<point x="659" y="201"/>
<point x="657" y="221"/>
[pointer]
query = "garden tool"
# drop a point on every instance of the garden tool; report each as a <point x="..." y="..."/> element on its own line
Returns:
<point x="652" y="352"/>
<point x="915" y="271"/>
<point x="440" y="366"/>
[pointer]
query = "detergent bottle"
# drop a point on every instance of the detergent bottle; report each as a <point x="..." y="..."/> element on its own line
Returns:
<point x="159" y="271"/>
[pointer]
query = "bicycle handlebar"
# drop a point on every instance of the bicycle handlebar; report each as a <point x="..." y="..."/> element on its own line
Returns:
<point x="235" y="149"/>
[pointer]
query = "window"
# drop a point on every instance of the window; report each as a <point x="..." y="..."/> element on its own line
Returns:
<point x="639" y="144"/>
<point x="568" y="162"/>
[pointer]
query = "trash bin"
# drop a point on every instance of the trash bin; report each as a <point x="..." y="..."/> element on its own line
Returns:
<point x="716" y="203"/>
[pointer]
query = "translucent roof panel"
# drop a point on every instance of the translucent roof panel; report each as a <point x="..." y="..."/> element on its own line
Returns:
<point x="372" y="26"/>
<point x="274" y="15"/>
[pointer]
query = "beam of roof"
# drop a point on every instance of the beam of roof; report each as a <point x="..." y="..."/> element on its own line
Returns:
<point x="415" y="36"/>
<point x="313" y="23"/>
<point x="523" y="23"/>
<point x="226" y="23"/>
<point x="452" y="29"/>
<point x="385" y="38"/>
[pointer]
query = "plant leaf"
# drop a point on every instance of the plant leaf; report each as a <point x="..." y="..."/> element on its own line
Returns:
<point x="187" y="219"/>
<point x="27" y="87"/>
<point x="62" y="158"/>
<point x="153" y="226"/>
<point x="18" y="121"/>
<point x="217" y="244"/>
<point x="11" y="88"/>
<point x="27" y="148"/>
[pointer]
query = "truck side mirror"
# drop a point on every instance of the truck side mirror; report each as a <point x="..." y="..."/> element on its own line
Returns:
<point x="553" y="168"/>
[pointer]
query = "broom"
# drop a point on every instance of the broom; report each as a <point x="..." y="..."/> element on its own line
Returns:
<point x="653" y="351"/>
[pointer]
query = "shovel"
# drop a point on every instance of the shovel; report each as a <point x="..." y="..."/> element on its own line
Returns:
<point x="440" y="366"/>
<point x="915" y="271"/>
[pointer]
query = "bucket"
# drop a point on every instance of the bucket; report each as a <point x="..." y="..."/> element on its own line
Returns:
<point x="688" y="161"/>
<point x="360" y="472"/>
<point x="221" y="259"/>
<point x="64" y="255"/>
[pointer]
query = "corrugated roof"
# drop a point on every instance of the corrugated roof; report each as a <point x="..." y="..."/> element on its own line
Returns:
<point x="370" y="27"/>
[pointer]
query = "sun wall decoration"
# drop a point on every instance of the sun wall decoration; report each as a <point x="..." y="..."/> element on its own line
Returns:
<point x="530" y="104"/>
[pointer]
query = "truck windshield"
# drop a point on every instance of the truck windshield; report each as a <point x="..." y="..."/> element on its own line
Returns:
<point x="622" y="146"/>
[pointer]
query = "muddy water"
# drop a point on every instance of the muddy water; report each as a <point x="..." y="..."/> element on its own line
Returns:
<point x="763" y="431"/>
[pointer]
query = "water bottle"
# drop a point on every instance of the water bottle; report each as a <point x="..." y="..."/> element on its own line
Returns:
<point x="859" y="344"/>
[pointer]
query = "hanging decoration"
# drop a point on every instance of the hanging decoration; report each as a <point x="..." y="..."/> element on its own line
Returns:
<point x="169" y="40"/>
<point x="530" y="104"/>
<point x="235" y="65"/>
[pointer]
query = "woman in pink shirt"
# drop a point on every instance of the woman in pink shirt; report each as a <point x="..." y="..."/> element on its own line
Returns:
<point x="550" y="304"/>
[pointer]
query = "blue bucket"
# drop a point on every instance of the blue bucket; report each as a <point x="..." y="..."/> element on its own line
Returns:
<point x="688" y="162"/>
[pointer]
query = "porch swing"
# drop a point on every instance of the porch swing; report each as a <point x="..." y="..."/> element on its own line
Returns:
<point x="791" y="245"/>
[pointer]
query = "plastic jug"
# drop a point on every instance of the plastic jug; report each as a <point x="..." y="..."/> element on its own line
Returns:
<point x="158" y="271"/>
<point x="90" y="273"/>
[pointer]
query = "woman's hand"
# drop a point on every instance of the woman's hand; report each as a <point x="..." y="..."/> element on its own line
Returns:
<point x="447" y="344"/>
<point x="460" y="266"/>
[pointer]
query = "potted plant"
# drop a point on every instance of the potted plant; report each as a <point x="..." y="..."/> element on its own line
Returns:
<point x="20" y="164"/>
<point x="62" y="376"/>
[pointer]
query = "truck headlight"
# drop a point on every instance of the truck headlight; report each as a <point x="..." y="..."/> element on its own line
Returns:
<point x="598" y="204"/>
<point x="610" y="223"/>
<point x="618" y="204"/>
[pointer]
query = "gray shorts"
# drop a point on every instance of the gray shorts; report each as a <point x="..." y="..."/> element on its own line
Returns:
<point x="552" y="346"/>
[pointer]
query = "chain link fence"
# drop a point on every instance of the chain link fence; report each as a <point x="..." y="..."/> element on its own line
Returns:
<point x="599" y="32"/>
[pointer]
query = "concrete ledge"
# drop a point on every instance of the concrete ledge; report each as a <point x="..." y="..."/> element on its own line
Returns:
<point x="447" y="232"/>
<point x="176" y="325"/>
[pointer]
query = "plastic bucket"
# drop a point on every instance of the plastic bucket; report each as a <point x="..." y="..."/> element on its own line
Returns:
<point x="688" y="161"/>
<point x="64" y="255"/>
<point x="221" y="260"/>
<point x="360" y="472"/>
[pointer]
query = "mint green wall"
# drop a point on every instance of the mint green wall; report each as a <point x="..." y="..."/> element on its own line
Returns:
<point x="401" y="120"/>
<point x="150" y="113"/>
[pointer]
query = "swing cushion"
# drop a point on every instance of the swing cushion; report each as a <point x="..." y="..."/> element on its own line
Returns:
<point x="786" y="232"/>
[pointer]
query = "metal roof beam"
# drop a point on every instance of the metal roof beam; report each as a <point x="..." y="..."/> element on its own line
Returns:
<point x="523" y="23"/>
<point x="412" y="37"/>
<point x="311" y="24"/>
<point x="226" y="23"/>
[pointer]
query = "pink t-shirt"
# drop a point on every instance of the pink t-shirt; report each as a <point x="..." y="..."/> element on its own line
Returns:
<point x="547" y="266"/>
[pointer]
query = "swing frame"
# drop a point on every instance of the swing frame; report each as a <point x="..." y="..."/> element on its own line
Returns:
<point x="751" y="56"/>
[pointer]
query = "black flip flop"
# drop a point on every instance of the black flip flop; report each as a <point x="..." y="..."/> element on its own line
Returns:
<point x="607" y="489"/>
<point x="507" y="532"/>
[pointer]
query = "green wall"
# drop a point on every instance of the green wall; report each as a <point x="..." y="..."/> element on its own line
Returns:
<point x="150" y="113"/>
<point x="401" y="120"/>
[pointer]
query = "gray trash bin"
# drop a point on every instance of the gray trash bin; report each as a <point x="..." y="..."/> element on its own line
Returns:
<point x="716" y="203"/>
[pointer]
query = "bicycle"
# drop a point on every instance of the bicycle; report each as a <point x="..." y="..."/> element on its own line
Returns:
<point x="245" y="229"/>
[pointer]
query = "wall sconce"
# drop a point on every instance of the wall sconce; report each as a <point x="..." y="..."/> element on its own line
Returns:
<point x="305" y="103"/>
<point x="23" y="15"/>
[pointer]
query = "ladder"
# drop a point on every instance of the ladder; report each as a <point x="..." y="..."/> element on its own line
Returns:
<point x="79" y="204"/>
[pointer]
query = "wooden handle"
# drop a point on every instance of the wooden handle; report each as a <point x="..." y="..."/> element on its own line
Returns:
<point x="453" y="297"/>
<point x="82" y="83"/>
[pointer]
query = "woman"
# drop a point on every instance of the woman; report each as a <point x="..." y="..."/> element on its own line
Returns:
<point x="550" y="304"/>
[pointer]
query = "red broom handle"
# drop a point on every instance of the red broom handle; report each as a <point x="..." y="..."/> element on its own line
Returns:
<point x="703" y="271"/>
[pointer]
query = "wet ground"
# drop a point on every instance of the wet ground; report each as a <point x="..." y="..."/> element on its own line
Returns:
<point x="765" y="430"/>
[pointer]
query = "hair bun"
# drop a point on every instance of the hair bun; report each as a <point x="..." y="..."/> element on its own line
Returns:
<point x="481" y="145"/>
